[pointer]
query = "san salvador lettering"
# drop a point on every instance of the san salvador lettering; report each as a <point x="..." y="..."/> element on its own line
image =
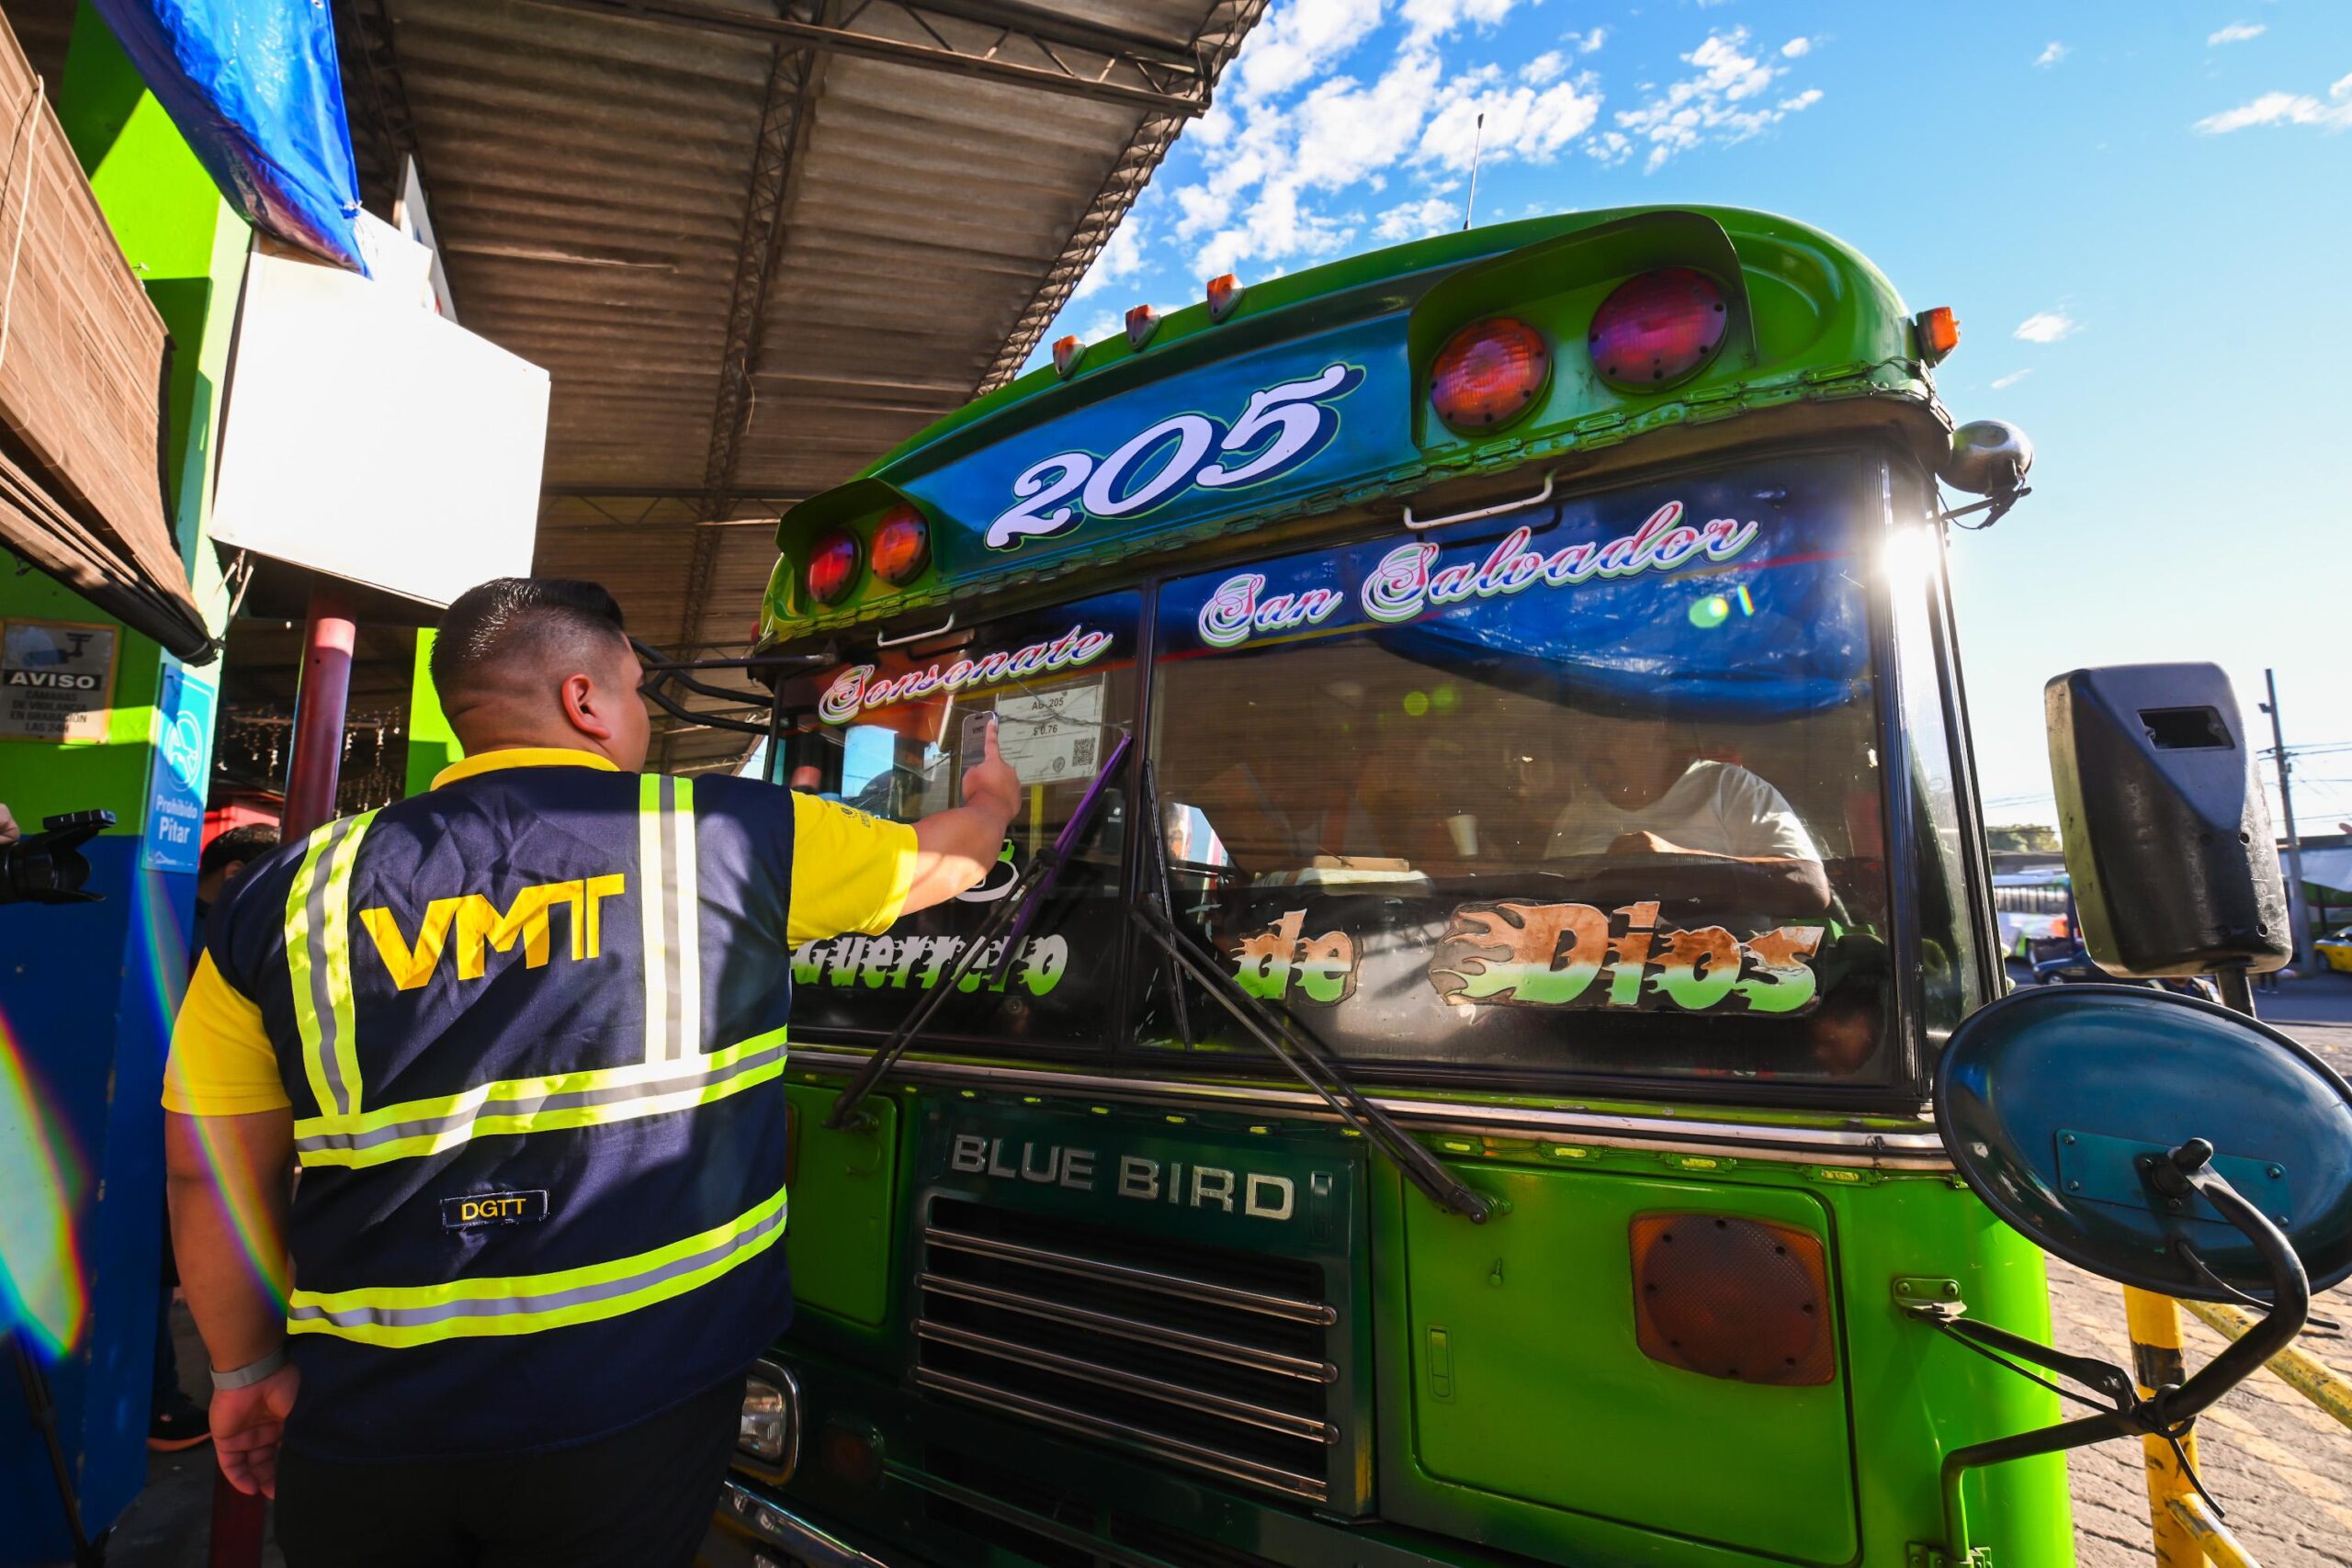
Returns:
<point x="1280" y="428"/>
<point x="855" y="690"/>
<point x="1555" y="954"/>
<point x="1407" y="581"/>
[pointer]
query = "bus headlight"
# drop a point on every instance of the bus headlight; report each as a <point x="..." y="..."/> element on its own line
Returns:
<point x="769" y="1433"/>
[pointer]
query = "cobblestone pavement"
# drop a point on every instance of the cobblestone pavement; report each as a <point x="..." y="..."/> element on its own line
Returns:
<point x="2281" y="1469"/>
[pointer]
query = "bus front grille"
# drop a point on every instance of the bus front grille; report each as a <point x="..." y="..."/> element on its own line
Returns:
<point x="1205" y="1358"/>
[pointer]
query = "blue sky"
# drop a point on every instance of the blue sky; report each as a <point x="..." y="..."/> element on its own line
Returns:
<point x="2141" y="211"/>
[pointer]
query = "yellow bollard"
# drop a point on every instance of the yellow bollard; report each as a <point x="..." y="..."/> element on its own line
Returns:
<point x="2157" y="1363"/>
<point x="2211" y="1534"/>
<point x="2306" y="1374"/>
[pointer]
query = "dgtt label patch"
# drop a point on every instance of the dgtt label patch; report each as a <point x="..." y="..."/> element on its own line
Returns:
<point x="477" y="1208"/>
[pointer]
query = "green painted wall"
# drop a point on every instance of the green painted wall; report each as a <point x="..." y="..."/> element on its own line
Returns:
<point x="432" y="744"/>
<point x="189" y="247"/>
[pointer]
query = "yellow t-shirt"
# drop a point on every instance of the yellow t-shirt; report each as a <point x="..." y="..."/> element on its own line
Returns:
<point x="850" y="873"/>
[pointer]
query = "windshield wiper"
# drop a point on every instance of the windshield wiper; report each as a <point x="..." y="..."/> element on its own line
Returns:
<point x="1287" y="1038"/>
<point x="1014" y="914"/>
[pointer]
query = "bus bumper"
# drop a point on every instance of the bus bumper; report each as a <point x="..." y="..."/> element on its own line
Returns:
<point x="773" y="1528"/>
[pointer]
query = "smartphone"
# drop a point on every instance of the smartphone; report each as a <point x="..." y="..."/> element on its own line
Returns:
<point x="972" y="745"/>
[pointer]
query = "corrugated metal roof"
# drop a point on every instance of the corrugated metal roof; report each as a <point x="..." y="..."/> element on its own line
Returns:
<point x="756" y="245"/>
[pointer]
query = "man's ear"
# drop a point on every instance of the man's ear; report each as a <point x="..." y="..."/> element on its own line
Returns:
<point x="584" y="706"/>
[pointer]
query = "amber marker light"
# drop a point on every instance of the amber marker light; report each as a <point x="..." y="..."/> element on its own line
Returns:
<point x="833" y="559"/>
<point x="1224" y="293"/>
<point x="1939" y="333"/>
<point x="1067" y="352"/>
<point x="1658" y="328"/>
<point x="1142" y="321"/>
<point x="1489" y="373"/>
<point x="901" y="546"/>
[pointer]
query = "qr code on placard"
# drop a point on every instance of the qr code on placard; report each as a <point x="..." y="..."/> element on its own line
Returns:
<point x="1081" y="752"/>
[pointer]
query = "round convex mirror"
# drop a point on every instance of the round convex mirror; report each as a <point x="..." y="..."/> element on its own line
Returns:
<point x="2053" y="1102"/>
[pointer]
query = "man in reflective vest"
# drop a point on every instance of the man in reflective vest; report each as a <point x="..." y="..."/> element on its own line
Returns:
<point x="523" y="1035"/>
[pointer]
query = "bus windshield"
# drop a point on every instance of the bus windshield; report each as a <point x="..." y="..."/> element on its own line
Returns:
<point x="1589" y="786"/>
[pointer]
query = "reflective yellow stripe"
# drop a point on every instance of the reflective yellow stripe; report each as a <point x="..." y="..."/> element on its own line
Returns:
<point x="318" y="963"/>
<point x="527" y="1304"/>
<point x="689" y="920"/>
<point x="651" y="905"/>
<point x="298" y="966"/>
<point x="337" y="956"/>
<point x="584" y="1098"/>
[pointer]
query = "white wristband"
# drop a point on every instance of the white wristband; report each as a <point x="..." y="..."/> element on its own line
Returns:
<point x="251" y="1373"/>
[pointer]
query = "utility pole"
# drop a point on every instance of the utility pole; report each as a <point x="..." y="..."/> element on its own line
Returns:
<point x="2297" y="916"/>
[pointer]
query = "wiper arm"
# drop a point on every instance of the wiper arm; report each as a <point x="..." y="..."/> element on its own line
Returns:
<point x="1290" y="1043"/>
<point x="1014" y="914"/>
<point x="1164" y="889"/>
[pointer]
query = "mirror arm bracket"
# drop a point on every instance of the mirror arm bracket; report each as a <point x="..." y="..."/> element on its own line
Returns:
<point x="2170" y="1410"/>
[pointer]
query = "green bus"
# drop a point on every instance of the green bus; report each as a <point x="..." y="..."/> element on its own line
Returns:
<point x="1501" y="861"/>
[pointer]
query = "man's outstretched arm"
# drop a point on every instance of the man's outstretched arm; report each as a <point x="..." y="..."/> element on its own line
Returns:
<point x="228" y="1179"/>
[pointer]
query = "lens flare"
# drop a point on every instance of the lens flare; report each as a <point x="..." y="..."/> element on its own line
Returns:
<point x="1709" y="612"/>
<point x="43" y="1284"/>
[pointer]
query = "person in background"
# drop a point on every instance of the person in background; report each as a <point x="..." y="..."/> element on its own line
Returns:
<point x="519" y="1318"/>
<point x="174" y="1421"/>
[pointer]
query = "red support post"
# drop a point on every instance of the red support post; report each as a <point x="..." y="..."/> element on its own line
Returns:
<point x="316" y="765"/>
<point x="312" y="775"/>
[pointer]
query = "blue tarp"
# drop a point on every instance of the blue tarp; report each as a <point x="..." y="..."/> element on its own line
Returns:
<point x="254" y="86"/>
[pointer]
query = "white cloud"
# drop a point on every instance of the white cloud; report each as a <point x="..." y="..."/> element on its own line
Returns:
<point x="1252" y="206"/>
<point x="1122" y="258"/>
<point x="1549" y="66"/>
<point x="1589" y="43"/>
<point x="1299" y="40"/>
<point x="1796" y="49"/>
<point x="2052" y="53"/>
<point x="2047" y="326"/>
<point x="1428" y="19"/>
<point x="1721" y="104"/>
<point x="2238" y="32"/>
<point x="1521" y="122"/>
<point x="1417" y="220"/>
<point x="2285" y="108"/>
<point x="2003" y="383"/>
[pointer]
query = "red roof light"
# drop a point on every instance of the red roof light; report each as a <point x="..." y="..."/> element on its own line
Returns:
<point x="833" y="561"/>
<point x="1658" y="328"/>
<point x="901" y="546"/>
<point x="1489" y="373"/>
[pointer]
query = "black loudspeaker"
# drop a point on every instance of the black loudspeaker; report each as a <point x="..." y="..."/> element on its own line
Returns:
<point x="2167" y="837"/>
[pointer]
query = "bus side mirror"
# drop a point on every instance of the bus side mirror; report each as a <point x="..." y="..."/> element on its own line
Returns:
<point x="2166" y="835"/>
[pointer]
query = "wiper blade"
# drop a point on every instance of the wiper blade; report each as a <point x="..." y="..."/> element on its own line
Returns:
<point x="1014" y="914"/>
<point x="1288" y="1041"/>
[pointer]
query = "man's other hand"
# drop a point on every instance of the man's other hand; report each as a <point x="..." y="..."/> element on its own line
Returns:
<point x="7" y="827"/>
<point x="990" y="783"/>
<point x="247" y="1424"/>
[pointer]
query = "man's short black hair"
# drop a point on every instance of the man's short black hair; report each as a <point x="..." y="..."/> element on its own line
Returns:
<point x="510" y="620"/>
<point x="248" y="844"/>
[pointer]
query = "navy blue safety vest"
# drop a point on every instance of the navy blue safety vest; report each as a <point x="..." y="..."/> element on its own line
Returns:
<point x="532" y="1038"/>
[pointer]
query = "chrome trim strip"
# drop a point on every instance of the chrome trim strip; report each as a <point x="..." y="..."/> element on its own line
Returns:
<point x="1921" y="1151"/>
<point x="1078" y="1263"/>
<point x="780" y="1527"/>
<point x="1313" y="1488"/>
<point x="1129" y="1328"/>
<point x="1282" y="1421"/>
